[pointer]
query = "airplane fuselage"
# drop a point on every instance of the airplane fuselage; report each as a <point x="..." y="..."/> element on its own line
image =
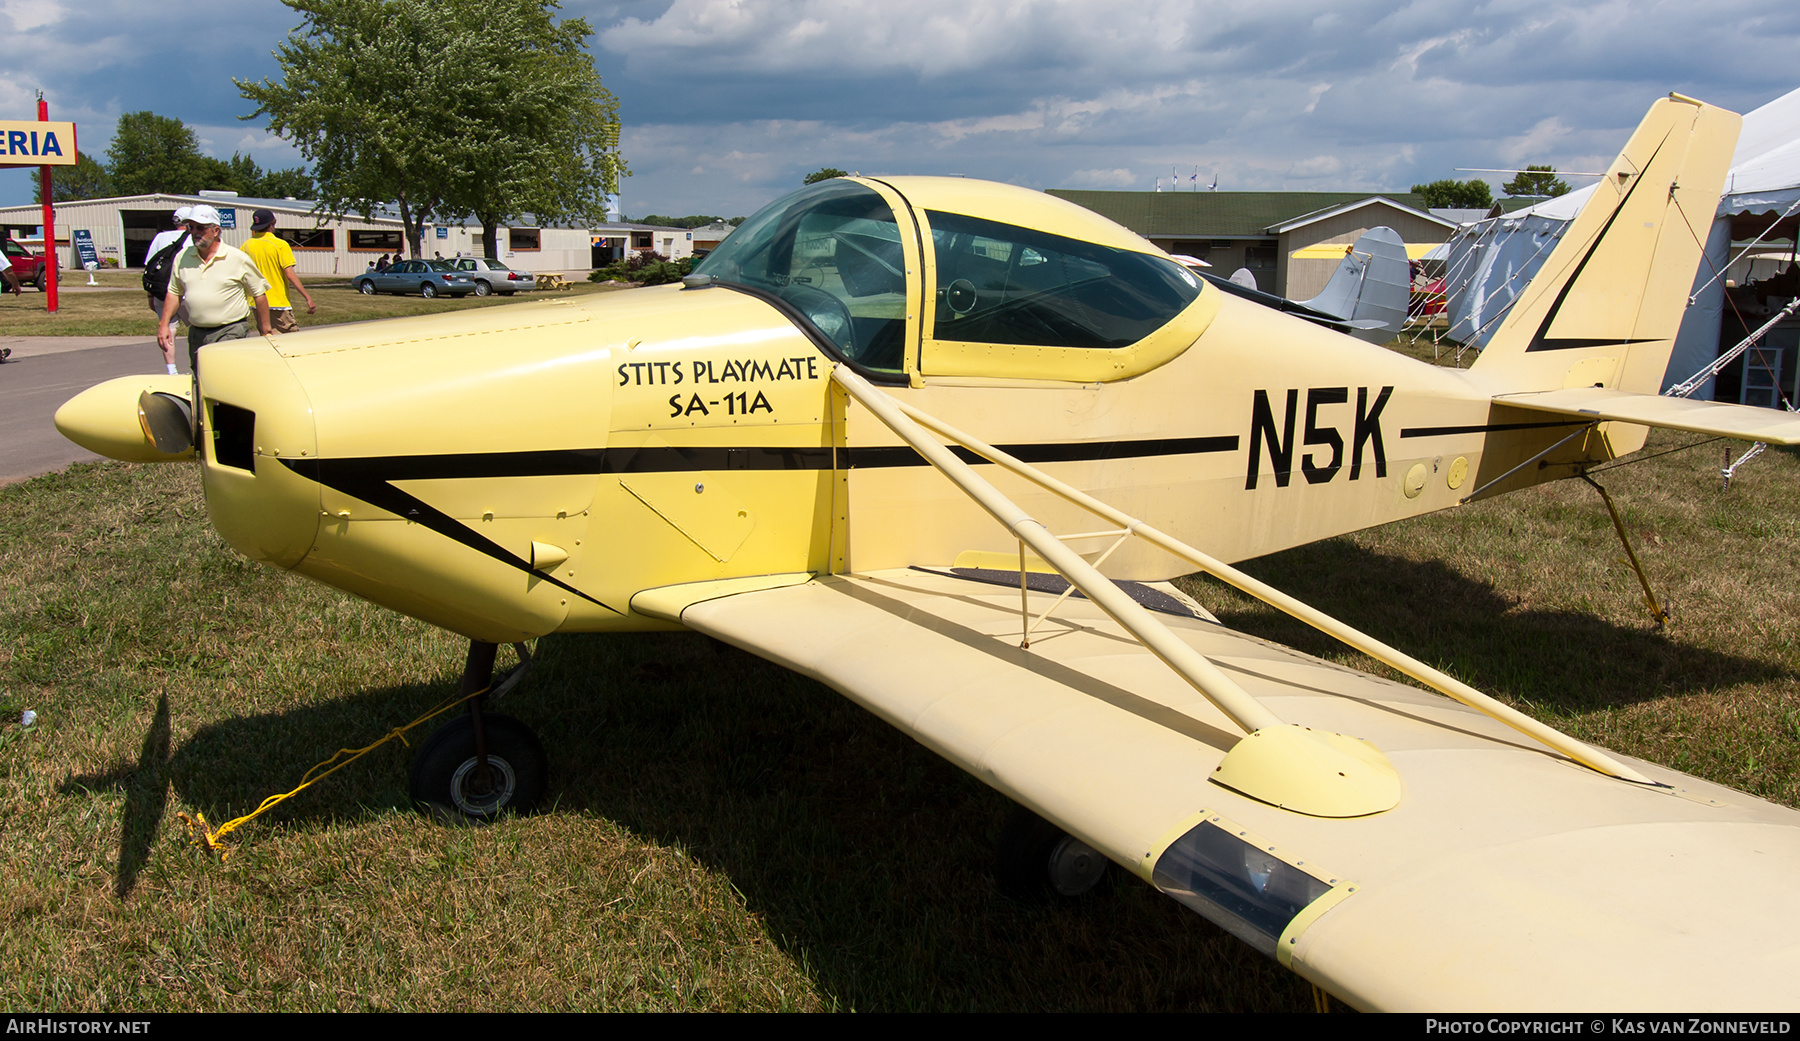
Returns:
<point x="682" y="435"/>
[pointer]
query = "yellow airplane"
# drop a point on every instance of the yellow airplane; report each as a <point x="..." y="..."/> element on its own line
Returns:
<point x="885" y="432"/>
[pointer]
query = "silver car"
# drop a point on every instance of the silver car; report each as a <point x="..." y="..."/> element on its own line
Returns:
<point x="491" y="276"/>
<point x="428" y="278"/>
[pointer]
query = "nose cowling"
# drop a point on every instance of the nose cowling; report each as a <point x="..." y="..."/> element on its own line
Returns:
<point x="121" y="419"/>
<point x="257" y="419"/>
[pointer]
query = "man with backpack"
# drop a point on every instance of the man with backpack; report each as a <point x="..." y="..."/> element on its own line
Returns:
<point x="159" y="259"/>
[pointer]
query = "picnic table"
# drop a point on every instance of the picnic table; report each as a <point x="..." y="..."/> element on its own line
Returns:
<point x="552" y="280"/>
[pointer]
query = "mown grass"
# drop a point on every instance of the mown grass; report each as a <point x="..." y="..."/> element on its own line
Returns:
<point x="723" y="834"/>
<point x="119" y="308"/>
<point x="1530" y="597"/>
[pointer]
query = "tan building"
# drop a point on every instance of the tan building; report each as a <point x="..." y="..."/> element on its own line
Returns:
<point x="122" y="228"/>
<point x="619" y="241"/>
<point x="708" y="238"/>
<point x="1260" y="231"/>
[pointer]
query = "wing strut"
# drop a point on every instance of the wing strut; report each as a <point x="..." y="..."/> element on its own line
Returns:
<point x="1309" y="771"/>
<point x="884" y="407"/>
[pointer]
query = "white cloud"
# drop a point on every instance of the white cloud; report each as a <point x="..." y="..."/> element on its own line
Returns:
<point x="1543" y="139"/>
<point x="1316" y="166"/>
<point x="26" y="15"/>
<point x="1118" y="177"/>
<point x="754" y="94"/>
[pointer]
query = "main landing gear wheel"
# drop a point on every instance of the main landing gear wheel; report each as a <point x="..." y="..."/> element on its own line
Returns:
<point x="447" y="777"/>
<point x="1038" y="861"/>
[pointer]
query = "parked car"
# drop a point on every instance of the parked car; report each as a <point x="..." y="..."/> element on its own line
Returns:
<point x="491" y="276"/>
<point x="28" y="266"/>
<point x="428" y="278"/>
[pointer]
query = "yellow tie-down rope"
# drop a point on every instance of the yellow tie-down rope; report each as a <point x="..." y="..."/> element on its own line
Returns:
<point x="212" y="839"/>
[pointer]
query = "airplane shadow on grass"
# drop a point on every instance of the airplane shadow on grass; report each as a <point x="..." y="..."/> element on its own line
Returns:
<point x="146" y="787"/>
<point x="866" y="856"/>
<point x="1564" y="660"/>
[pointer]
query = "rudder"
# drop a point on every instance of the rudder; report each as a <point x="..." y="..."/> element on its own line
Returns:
<point x="1604" y="309"/>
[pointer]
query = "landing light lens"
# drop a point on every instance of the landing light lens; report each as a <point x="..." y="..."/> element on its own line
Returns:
<point x="1243" y="888"/>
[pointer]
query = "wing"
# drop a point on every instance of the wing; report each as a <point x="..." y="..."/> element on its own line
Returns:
<point x="1506" y="876"/>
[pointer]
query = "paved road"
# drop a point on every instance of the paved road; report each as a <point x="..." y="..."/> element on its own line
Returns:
<point x="44" y="372"/>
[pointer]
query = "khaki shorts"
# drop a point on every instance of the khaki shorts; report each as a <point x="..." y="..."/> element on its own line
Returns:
<point x="282" y="319"/>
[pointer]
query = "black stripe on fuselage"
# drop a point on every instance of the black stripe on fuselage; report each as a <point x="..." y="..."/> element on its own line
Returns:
<point x="684" y="459"/>
<point x="372" y="478"/>
<point x="370" y="481"/>
<point x="1488" y="428"/>
<point x="1079" y="451"/>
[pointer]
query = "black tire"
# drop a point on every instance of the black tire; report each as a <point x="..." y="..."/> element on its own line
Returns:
<point x="41" y="280"/>
<point x="444" y="772"/>
<point x="509" y="294"/>
<point x="427" y="290"/>
<point x="366" y="287"/>
<point x="1036" y="861"/>
<point x="483" y="289"/>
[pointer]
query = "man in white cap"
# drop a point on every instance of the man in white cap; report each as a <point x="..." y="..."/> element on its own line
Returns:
<point x="157" y="266"/>
<point x="214" y="281"/>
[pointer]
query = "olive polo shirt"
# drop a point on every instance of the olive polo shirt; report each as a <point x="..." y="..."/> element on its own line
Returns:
<point x="218" y="291"/>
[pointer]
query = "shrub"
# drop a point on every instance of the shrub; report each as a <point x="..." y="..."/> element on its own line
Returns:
<point x="647" y="268"/>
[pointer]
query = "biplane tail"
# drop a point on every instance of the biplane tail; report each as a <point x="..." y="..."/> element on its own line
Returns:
<point x="1604" y="308"/>
<point x="1370" y="287"/>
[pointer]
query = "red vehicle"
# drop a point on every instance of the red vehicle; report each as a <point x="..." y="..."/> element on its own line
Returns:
<point x="27" y="266"/>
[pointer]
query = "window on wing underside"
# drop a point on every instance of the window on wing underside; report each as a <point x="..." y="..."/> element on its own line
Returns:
<point x="832" y="252"/>
<point x="997" y="283"/>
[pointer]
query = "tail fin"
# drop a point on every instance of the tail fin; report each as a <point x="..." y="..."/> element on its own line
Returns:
<point x="1371" y="285"/>
<point x="1604" y="309"/>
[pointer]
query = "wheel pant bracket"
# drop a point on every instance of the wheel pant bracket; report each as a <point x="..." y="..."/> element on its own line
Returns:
<point x="478" y="677"/>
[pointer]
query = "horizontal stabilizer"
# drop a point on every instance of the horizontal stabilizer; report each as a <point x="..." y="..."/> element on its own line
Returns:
<point x="1701" y="417"/>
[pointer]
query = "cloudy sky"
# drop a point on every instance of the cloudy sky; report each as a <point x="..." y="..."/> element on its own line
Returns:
<point x="729" y="103"/>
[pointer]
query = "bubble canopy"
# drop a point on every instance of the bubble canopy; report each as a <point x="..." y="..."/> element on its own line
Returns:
<point x="834" y="253"/>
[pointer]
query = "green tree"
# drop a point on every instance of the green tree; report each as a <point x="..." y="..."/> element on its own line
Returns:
<point x="87" y="179"/>
<point x="698" y="220"/>
<point x="151" y="153"/>
<point x="247" y="178"/>
<point x="446" y="108"/>
<point x="1472" y="194"/>
<point x="553" y="149"/>
<point x="825" y="173"/>
<point x="1536" y="180"/>
<point x="291" y="183"/>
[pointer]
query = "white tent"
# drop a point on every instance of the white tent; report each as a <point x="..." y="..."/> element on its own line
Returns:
<point x="1491" y="260"/>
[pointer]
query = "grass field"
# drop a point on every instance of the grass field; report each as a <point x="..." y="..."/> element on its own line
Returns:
<point x="723" y="834"/>
<point x="119" y="307"/>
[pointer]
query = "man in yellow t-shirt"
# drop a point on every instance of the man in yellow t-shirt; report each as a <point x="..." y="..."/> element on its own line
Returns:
<point x="275" y="259"/>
